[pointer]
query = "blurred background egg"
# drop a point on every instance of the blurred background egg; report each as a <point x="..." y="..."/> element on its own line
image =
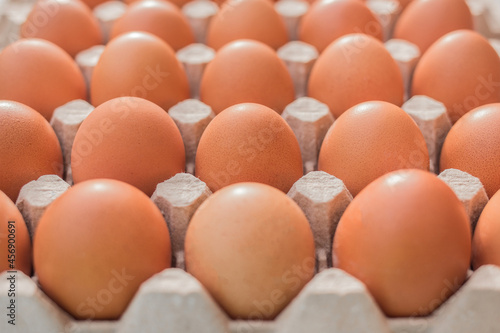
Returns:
<point x="16" y="234"/>
<point x="128" y="139"/>
<point x="95" y="245"/>
<point x="28" y="148"/>
<point x="242" y="244"/>
<point x="142" y="65"/>
<point x="93" y="3"/>
<point x="461" y="70"/>
<point x="247" y="19"/>
<point x="158" y="17"/>
<point x="355" y="68"/>
<point x="473" y="146"/>
<point x="486" y="241"/>
<point x="425" y="21"/>
<point x="328" y="20"/>
<point x="370" y="140"/>
<point x="41" y="75"/>
<point x="66" y="23"/>
<point x="246" y="71"/>
<point x="407" y="237"/>
<point x="248" y="143"/>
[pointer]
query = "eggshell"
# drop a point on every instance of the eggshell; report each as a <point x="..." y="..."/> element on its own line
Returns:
<point x="248" y="143"/>
<point x="486" y="241"/>
<point x="41" y="75"/>
<point x="246" y="71"/>
<point x="407" y="237"/>
<point x="370" y="140"/>
<point x="28" y="148"/>
<point x="355" y="68"/>
<point x="251" y="246"/>
<point x="461" y="70"/>
<point x="67" y="23"/>
<point x="93" y="3"/>
<point x="473" y="146"/>
<point x="128" y="139"/>
<point x="15" y="243"/>
<point x="95" y="245"/>
<point x="142" y="65"/>
<point x="247" y="19"/>
<point x="328" y="20"/>
<point x="425" y="21"/>
<point x="160" y="18"/>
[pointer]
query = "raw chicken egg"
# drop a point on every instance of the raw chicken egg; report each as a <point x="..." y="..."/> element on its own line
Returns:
<point x="328" y="20"/>
<point x="407" y="237"/>
<point x="355" y="68"/>
<point x="95" y="245"/>
<point x="142" y="65"/>
<point x="251" y="246"/>
<point x="160" y="18"/>
<point x="15" y="243"/>
<point x="66" y="23"/>
<point x="425" y="21"/>
<point x="247" y="19"/>
<point x="246" y="71"/>
<point x="28" y="148"/>
<point x="461" y="70"/>
<point x="473" y="146"/>
<point x="128" y="139"/>
<point x="93" y="3"/>
<point x="248" y="143"/>
<point x="486" y="241"/>
<point x="41" y="75"/>
<point x="370" y="140"/>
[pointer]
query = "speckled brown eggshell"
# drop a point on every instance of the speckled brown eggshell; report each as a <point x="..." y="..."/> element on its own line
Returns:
<point x="370" y="140"/>
<point x="29" y="148"/>
<point x="142" y="65"/>
<point x="248" y="143"/>
<point x="486" y="241"/>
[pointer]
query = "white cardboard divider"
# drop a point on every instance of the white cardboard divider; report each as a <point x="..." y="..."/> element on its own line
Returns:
<point x="195" y="58"/>
<point x="292" y="12"/>
<point x="87" y="60"/>
<point x="106" y="14"/>
<point x="387" y="12"/>
<point x="407" y="56"/>
<point x="199" y="13"/>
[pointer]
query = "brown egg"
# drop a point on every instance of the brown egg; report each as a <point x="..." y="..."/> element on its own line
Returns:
<point x="370" y="140"/>
<point x="128" y="139"/>
<point x="246" y="71"/>
<point x="425" y="21"/>
<point x="251" y="246"/>
<point x="356" y="68"/>
<point x="247" y="19"/>
<point x="328" y="20"/>
<point x="486" y="241"/>
<point x="15" y="243"/>
<point x="66" y="23"/>
<point x="160" y="18"/>
<point x="473" y="146"/>
<point x="142" y="65"/>
<point x="248" y="143"/>
<point x="93" y="3"/>
<point x="461" y="70"/>
<point x="407" y="237"/>
<point x="95" y="245"/>
<point x="39" y="74"/>
<point x="28" y="148"/>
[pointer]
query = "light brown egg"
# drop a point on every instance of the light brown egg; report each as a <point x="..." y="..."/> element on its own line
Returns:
<point x="246" y="71"/>
<point x="248" y="143"/>
<point x="251" y="246"/>
<point x="15" y="242"/>
<point x="160" y="18"/>
<point x="328" y="20"/>
<point x="354" y="69"/>
<point x="95" y="245"/>
<point x="473" y="146"/>
<point x="461" y="70"/>
<point x="425" y="21"/>
<point x="93" y="3"/>
<point x="66" y="23"/>
<point x="28" y="148"/>
<point x="142" y="65"/>
<point x="486" y="241"/>
<point x="247" y="19"/>
<point x="128" y="139"/>
<point x="370" y="140"/>
<point x="39" y="74"/>
<point x="407" y="237"/>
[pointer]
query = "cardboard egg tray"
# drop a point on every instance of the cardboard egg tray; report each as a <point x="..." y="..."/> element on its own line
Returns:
<point x="333" y="301"/>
